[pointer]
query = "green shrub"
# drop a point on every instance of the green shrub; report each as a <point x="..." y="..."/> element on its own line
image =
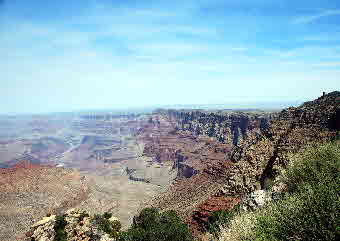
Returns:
<point x="133" y="234"/>
<point x="147" y="219"/>
<point x="150" y="225"/>
<point x="220" y="219"/>
<point x="313" y="167"/>
<point x="311" y="211"/>
<point x="107" y="215"/>
<point x="105" y="225"/>
<point x="59" y="228"/>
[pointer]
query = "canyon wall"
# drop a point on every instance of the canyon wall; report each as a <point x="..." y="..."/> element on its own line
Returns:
<point x="227" y="127"/>
<point x="221" y="155"/>
<point x="178" y="135"/>
<point x="258" y="161"/>
<point x="257" y="143"/>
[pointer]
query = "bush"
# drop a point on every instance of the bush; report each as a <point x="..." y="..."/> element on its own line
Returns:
<point x="313" y="167"/>
<point x="105" y="225"/>
<point x="59" y="228"/>
<point x="220" y="219"/>
<point x="150" y="225"/>
<point x="311" y="211"/>
<point x="217" y="220"/>
<point x="107" y="215"/>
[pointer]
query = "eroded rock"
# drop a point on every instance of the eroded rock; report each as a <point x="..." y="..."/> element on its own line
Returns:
<point x="79" y="226"/>
<point x="255" y="200"/>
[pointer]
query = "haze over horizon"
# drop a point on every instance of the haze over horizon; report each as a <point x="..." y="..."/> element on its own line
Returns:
<point x="69" y="55"/>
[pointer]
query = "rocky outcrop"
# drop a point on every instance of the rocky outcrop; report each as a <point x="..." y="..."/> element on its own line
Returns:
<point x="258" y="160"/>
<point x="77" y="225"/>
<point x="43" y="230"/>
<point x="201" y="214"/>
<point x="255" y="200"/>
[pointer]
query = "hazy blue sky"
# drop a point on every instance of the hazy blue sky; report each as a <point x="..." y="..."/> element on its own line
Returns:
<point x="62" y="55"/>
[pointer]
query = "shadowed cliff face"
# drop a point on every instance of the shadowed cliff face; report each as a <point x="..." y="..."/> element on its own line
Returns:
<point x="337" y="119"/>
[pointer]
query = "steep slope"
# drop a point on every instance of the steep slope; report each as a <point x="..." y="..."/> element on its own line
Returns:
<point x="201" y="161"/>
<point x="29" y="192"/>
<point x="258" y="161"/>
<point x="243" y="153"/>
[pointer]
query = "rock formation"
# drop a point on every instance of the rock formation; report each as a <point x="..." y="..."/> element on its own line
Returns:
<point x="78" y="225"/>
<point x="236" y="153"/>
<point x="256" y="199"/>
<point x="259" y="160"/>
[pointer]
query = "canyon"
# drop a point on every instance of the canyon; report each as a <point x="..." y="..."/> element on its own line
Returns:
<point x="191" y="161"/>
<point x="222" y="157"/>
<point x="50" y="164"/>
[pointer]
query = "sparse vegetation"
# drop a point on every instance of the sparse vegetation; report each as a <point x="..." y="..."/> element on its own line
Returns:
<point x="310" y="209"/>
<point x="151" y="225"/>
<point x="311" y="212"/>
<point x="104" y="224"/>
<point x="220" y="219"/>
<point x="217" y="220"/>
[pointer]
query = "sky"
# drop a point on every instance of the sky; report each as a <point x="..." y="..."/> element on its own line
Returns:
<point x="85" y="54"/>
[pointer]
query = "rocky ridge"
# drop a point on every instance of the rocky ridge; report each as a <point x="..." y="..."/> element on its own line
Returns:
<point x="258" y="161"/>
<point x="234" y="155"/>
<point x="201" y="161"/>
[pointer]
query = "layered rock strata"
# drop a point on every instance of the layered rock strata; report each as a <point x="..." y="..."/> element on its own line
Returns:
<point x="234" y="153"/>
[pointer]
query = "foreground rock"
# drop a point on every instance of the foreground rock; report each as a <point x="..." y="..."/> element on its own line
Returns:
<point x="78" y="226"/>
<point x="255" y="200"/>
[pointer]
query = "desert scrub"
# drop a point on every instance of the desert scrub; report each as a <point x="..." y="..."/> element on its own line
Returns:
<point x="313" y="167"/>
<point x="311" y="210"/>
<point x="151" y="225"/>
<point x="308" y="211"/>
<point x="241" y="227"/>
<point x="107" y="215"/>
<point x="220" y="219"/>
<point x="59" y="228"/>
<point x="112" y="228"/>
